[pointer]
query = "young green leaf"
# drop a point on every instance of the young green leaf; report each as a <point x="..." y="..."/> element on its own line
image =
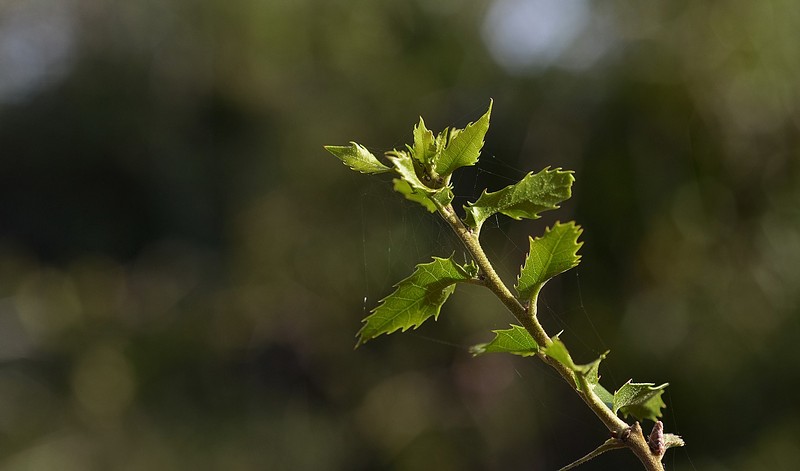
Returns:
<point x="358" y="158"/>
<point x="424" y="149"/>
<point x="604" y="395"/>
<point x="401" y="186"/>
<point x="405" y="166"/>
<point x="554" y="252"/>
<point x="464" y="147"/>
<point x="533" y="194"/>
<point x="640" y="400"/>
<point x="586" y="375"/>
<point x="417" y="298"/>
<point x="558" y="351"/>
<point x="515" y="340"/>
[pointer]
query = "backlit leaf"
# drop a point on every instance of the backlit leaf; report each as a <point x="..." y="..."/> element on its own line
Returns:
<point x="587" y="375"/>
<point x="416" y="299"/>
<point x="407" y="167"/>
<point x="515" y="340"/>
<point x="464" y="146"/>
<point x="554" y="252"/>
<point x="533" y="194"/>
<point x="640" y="400"/>
<point x="401" y="186"/>
<point x="358" y="158"/>
<point x="424" y="149"/>
<point x="404" y="166"/>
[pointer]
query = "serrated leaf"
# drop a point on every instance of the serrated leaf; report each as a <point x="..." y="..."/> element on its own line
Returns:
<point x="358" y="158"/>
<point x="604" y="395"/>
<point x="554" y="252"/>
<point x="464" y="146"/>
<point x="558" y="351"/>
<point x="533" y="194"/>
<point x="402" y="187"/>
<point x="587" y="376"/>
<point x="405" y="167"/>
<point x="515" y="340"/>
<point x="640" y="400"/>
<point x="443" y="196"/>
<point x="424" y="149"/>
<point x="416" y="299"/>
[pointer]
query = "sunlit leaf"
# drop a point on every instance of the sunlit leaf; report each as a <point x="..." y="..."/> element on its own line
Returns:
<point x="640" y="400"/>
<point x="464" y="146"/>
<point x="358" y="158"/>
<point x="416" y="299"/>
<point x="401" y="186"/>
<point x="587" y="376"/>
<point x="424" y="149"/>
<point x="533" y="194"/>
<point x="604" y="395"/>
<point x="515" y="340"/>
<point x="406" y="167"/>
<point x="554" y="252"/>
<point x="558" y="351"/>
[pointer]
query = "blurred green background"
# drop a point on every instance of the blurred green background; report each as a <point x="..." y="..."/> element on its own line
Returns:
<point x="183" y="268"/>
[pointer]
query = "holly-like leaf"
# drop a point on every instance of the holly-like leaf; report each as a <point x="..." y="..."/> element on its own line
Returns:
<point x="515" y="340"/>
<point x="604" y="395"/>
<point x="533" y="194"/>
<point x="554" y="252"/>
<point x="405" y="166"/>
<point x="416" y="299"/>
<point x="464" y="146"/>
<point x="425" y="147"/>
<point x="558" y="351"/>
<point x="587" y="376"/>
<point x="640" y="400"/>
<point x="358" y="158"/>
<point x="401" y="186"/>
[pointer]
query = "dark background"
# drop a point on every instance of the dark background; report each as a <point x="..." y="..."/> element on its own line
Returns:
<point x="183" y="268"/>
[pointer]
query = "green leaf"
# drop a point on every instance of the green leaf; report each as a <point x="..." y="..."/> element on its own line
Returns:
<point x="424" y="144"/>
<point x="417" y="298"/>
<point x="402" y="187"/>
<point x="604" y="395"/>
<point x="554" y="252"/>
<point x="533" y="194"/>
<point x="358" y="158"/>
<point x="464" y="147"/>
<point x="443" y="196"/>
<point x="558" y="351"/>
<point x="406" y="167"/>
<point x="586" y="375"/>
<point x="640" y="400"/>
<point x="515" y="340"/>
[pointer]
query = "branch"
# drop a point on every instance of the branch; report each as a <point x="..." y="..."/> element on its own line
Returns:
<point x="631" y="436"/>
<point x="610" y="444"/>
